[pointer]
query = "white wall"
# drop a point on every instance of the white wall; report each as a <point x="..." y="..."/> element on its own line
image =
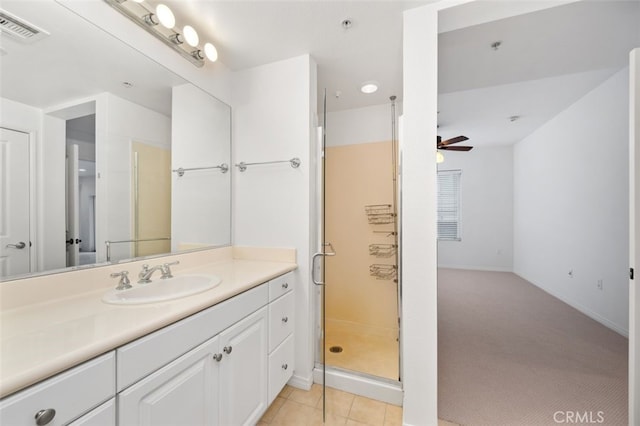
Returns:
<point x="274" y="108"/>
<point x="359" y="125"/>
<point x="486" y="187"/>
<point x="200" y="135"/>
<point x="120" y="123"/>
<point x="419" y="327"/>
<point x="571" y="204"/>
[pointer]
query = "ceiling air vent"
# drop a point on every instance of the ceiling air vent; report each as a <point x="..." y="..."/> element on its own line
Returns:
<point x="20" y="29"/>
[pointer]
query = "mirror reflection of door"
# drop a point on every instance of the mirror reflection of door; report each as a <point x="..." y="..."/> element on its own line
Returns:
<point x="73" y="208"/>
<point x="151" y="199"/>
<point x="14" y="203"/>
<point x="81" y="190"/>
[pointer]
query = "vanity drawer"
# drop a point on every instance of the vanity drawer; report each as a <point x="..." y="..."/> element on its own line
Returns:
<point x="280" y="285"/>
<point x="140" y="358"/>
<point x="281" y="314"/>
<point x="104" y="415"/>
<point x="281" y="366"/>
<point x="70" y="394"/>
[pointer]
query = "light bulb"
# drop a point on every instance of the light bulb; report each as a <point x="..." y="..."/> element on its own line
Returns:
<point x="369" y="87"/>
<point x="165" y="15"/>
<point x="439" y="157"/>
<point x="211" y="52"/>
<point x="190" y="35"/>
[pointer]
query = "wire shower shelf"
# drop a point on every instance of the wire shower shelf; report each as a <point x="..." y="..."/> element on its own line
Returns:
<point x="379" y="214"/>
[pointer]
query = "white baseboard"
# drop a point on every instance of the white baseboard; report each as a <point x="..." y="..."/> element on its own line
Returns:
<point x="380" y="390"/>
<point x="478" y="268"/>
<point x="301" y="382"/>
<point x="588" y="312"/>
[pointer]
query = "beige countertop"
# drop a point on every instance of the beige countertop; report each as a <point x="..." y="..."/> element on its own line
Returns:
<point x="42" y="336"/>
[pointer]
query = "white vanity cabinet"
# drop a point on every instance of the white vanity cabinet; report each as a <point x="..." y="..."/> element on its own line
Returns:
<point x="243" y="371"/>
<point x="183" y="392"/>
<point x="281" y="325"/>
<point x="62" y="398"/>
<point x="221" y="366"/>
<point x="104" y="415"/>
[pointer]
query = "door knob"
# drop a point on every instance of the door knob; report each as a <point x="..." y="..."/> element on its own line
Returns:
<point x="18" y="246"/>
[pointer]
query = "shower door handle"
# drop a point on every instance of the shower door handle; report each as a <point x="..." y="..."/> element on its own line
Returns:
<point x="313" y="262"/>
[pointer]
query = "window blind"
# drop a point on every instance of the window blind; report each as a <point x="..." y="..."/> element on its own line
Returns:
<point x="449" y="205"/>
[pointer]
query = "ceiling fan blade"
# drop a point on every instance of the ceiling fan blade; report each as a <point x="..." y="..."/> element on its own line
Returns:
<point x="451" y="141"/>
<point x="456" y="148"/>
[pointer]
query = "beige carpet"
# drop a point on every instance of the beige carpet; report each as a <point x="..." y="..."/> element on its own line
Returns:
<point x="511" y="354"/>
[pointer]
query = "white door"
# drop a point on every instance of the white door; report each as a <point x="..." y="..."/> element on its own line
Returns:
<point x="73" y="207"/>
<point x="243" y="371"/>
<point x="634" y="238"/>
<point x="185" y="392"/>
<point x="14" y="208"/>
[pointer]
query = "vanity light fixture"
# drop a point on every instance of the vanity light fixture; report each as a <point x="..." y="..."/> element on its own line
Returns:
<point x="161" y="22"/>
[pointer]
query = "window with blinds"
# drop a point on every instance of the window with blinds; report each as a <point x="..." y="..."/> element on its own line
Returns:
<point x="449" y="205"/>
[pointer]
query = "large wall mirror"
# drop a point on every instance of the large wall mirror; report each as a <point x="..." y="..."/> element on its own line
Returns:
<point x="93" y="135"/>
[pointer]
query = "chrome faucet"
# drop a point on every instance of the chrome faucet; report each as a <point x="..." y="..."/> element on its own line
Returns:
<point x="146" y="273"/>
<point x="124" y="282"/>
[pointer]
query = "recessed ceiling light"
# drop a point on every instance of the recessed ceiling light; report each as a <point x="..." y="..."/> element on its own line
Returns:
<point x="369" y="87"/>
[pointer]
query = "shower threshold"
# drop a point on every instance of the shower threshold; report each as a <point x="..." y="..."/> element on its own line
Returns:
<point x="374" y="387"/>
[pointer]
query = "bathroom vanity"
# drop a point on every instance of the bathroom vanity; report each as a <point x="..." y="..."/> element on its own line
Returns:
<point x="217" y="357"/>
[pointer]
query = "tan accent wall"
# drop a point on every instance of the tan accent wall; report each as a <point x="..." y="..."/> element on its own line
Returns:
<point x="358" y="175"/>
<point x="154" y="198"/>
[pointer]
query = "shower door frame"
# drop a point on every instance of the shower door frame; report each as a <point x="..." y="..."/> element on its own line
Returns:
<point x="359" y="383"/>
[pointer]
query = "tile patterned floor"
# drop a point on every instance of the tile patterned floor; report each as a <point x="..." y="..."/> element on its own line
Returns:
<point x="296" y="407"/>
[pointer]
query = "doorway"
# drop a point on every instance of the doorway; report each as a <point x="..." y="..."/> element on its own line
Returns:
<point x="15" y="190"/>
<point x="360" y="326"/>
<point x="81" y="190"/>
<point x="574" y="266"/>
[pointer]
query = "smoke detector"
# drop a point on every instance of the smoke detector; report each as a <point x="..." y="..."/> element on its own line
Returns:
<point x="19" y="29"/>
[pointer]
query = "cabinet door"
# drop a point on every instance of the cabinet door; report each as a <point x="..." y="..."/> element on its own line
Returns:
<point x="184" y="392"/>
<point x="243" y="372"/>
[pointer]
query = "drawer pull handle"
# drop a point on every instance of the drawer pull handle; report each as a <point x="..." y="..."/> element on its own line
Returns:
<point x="227" y="349"/>
<point x="44" y="417"/>
<point x="285" y="319"/>
<point x="285" y="285"/>
<point x="217" y="357"/>
<point x="285" y="366"/>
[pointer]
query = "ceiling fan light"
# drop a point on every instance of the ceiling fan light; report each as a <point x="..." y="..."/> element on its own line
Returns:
<point x="439" y="157"/>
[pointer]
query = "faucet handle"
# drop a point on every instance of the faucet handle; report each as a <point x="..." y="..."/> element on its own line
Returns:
<point x="166" y="270"/>
<point x="124" y="282"/>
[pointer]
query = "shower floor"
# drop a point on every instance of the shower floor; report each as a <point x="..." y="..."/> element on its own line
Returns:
<point x="365" y="349"/>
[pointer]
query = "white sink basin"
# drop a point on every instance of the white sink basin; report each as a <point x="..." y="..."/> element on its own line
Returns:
<point x="161" y="290"/>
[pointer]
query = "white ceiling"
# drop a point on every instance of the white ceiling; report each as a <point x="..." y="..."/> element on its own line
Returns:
<point x="548" y="59"/>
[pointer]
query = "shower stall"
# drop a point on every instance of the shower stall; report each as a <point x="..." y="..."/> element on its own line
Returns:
<point x="359" y="345"/>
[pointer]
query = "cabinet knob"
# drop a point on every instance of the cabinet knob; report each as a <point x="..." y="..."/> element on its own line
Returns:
<point x="217" y="357"/>
<point x="285" y="366"/>
<point x="285" y="319"/>
<point x="43" y="417"/>
<point x="227" y="349"/>
<point x="285" y="285"/>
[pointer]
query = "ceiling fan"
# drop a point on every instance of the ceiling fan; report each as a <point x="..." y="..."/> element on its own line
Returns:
<point x="447" y="144"/>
